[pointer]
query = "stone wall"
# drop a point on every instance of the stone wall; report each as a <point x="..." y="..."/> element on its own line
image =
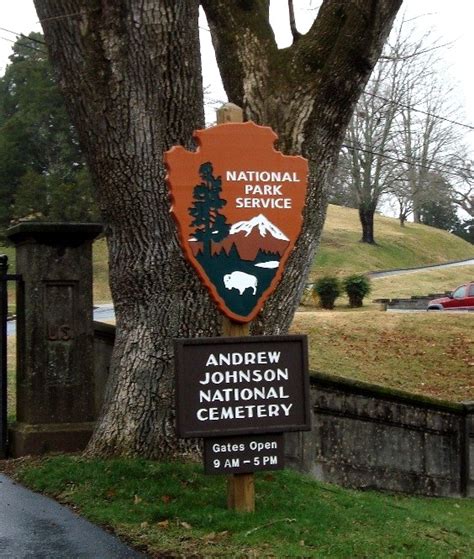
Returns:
<point x="415" y="302"/>
<point x="366" y="437"/>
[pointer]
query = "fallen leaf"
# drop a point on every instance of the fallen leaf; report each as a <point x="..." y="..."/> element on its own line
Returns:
<point x="186" y="525"/>
<point x="144" y="525"/>
<point x="209" y="537"/>
<point x="137" y="500"/>
<point x="163" y="523"/>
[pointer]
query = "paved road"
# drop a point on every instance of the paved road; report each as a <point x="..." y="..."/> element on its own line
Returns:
<point x="35" y="527"/>
<point x="102" y="312"/>
<point x="384" y="273"/>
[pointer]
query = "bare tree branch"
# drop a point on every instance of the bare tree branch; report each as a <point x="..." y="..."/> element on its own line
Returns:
<point x="296" y="34"/>
<point x="413" y="55"/>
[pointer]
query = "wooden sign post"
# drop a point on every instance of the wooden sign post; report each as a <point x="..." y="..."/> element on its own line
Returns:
<point x="238" y="204"/>
<point x="240" y="487"/>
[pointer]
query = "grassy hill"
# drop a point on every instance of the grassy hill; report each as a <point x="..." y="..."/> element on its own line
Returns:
<point x="436" y="280"/>
<point x="341" y="253"/>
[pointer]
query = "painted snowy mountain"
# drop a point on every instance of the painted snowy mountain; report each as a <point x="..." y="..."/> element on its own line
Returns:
<point x="250" y="237"/>
<point x="264" y="226"/>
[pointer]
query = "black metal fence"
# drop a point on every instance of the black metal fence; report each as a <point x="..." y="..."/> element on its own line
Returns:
<point x="4" y="279"/>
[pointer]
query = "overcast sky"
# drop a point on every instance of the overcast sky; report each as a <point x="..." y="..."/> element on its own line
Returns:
<point x="450" y="20"/>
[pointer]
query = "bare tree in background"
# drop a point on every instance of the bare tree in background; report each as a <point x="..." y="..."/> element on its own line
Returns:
<point x="427" y="143"/>
<point x="463" y="187"/>
<point x="367" y="156"/>
<point x="395" y="140"/>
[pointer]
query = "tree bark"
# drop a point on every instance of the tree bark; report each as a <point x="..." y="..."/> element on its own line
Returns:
<point x="366" y="216"/>
<point x="131" y="75"/>
<point x="307" y="94"/>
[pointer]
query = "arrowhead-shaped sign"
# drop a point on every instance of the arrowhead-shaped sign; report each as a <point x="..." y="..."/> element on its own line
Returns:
<point x="238" y="204"/>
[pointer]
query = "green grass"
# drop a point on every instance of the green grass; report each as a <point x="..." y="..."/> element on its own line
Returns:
<point x="101" y="287"/>
<point x="174" y="510"/>
<point x="10" y="252"/>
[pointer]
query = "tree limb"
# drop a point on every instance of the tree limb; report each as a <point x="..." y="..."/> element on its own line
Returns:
<point x="296" y="34"/>
<point x="238" y="29"/>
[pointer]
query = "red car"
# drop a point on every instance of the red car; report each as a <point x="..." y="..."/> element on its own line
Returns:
<point x="461" y="298"/>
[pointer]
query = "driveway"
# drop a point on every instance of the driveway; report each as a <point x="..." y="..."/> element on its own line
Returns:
<point x="385" y="273"/>
<point x="35" y="527"/>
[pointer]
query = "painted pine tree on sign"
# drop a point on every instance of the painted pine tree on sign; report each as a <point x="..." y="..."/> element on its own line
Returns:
<point x="211" y="226"/>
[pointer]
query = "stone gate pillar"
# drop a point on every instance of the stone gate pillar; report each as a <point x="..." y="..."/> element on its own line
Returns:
<point x="55" y="376"/>
<point x="469" y="450"/>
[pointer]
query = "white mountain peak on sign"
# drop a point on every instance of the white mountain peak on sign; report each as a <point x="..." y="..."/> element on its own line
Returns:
<point x="263" y="224"/>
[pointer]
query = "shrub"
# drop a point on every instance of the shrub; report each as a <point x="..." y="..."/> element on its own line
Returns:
<point x="328" y="289"/>
<point x="356" y="287"/>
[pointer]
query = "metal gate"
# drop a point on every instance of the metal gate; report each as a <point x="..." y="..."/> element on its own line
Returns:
<point x="4" y="279"/>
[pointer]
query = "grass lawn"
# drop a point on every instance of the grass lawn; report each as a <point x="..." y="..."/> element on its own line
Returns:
<point x="175" y="510"/>
<point x="421" y="283"/>
<point x="433" y="280"/>
<point x="101" y="289"/>
<point x="427" y="353"/>
<point x="430" y="354"/>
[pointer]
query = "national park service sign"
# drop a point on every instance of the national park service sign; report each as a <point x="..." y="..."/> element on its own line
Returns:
<point x="238" y="204"/>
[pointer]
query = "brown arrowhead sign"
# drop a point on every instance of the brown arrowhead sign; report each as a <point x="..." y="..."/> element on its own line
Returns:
<point x="238" y="204"/>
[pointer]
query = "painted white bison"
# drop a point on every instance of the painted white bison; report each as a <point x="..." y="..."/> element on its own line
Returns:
<point x="240" y="281"/>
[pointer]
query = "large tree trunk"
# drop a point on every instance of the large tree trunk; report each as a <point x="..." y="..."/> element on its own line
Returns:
<point x="307" y="93"/>
<point x="366" y="216"/>
<point x="130" y="72"/>
<point x="131" y="75"/>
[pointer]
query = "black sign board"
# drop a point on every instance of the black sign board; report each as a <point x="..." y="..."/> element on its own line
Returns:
<point x="240" y="386"/>
<point x="242" y="455"/>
